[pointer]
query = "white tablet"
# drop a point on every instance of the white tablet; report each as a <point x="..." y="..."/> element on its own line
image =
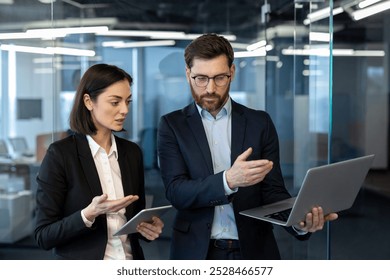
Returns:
<point x="144" y="215"/>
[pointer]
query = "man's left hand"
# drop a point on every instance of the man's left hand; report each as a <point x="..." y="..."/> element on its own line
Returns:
<point x="315" y="220"/>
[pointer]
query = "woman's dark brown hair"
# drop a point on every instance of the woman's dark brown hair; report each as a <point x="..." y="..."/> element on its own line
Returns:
<point x="208" y="46"/>
<point x="94" y="81"/>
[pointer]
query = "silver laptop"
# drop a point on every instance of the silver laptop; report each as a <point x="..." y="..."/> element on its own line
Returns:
<point x="334" y="187"/>
<point x="3" y="149"/>
<point x="20" y="147"/>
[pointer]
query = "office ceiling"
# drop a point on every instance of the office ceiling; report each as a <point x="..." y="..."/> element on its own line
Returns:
<point x="239" y="17"/>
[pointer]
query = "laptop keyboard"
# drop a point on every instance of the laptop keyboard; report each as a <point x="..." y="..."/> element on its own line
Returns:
<point x="282" y="215"/>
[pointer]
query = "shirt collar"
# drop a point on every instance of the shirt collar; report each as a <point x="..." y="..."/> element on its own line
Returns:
<point x="95" y="146"/>
<point x="225" y="111"/>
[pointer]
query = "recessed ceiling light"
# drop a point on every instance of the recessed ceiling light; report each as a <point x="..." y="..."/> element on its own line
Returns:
<point x="46" y="1"/>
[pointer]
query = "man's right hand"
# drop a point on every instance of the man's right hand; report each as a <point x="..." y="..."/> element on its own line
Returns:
<point x="245" y="173"/>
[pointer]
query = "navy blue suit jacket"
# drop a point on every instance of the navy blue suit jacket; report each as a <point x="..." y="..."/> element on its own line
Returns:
<point x="67" y="182"/>
<point x="194" y="190"/>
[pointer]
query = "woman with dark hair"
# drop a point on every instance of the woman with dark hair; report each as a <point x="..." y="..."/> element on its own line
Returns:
<point x="92" y="182"/>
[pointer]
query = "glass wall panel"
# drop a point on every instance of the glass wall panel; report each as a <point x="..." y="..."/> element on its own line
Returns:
<point x="326" y="106"/>
<point x="27" y="85"/>
<point x="360" y="127"/>
<point x="298" y="99"/>
<point x="43" y="81"/>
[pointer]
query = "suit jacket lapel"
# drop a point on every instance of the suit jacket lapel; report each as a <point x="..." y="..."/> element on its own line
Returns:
<point x="88" y="164"/>
<point x="238" y="131"/>
<point x="195" y="123"/>
<point x="124" y="165"/>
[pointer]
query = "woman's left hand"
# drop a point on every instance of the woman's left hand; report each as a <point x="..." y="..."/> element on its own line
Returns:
<point x="152" y="230"/>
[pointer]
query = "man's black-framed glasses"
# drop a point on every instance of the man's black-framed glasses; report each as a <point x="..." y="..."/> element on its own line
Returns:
<point x="219" y="80"/>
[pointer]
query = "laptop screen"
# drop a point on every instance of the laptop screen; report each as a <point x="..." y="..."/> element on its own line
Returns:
<point x="19" y="144"/>
<point x="3" y="149"/>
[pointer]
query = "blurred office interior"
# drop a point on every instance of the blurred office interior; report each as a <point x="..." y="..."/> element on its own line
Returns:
<point x="319" y="68"/>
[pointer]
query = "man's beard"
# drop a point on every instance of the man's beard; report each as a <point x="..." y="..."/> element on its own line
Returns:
<point x="217" y="103"/>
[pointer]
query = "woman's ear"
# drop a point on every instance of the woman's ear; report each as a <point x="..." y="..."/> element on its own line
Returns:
<point x="87" y="101"/>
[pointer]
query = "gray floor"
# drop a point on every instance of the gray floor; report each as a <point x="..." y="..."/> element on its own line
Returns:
<point x="360" y="233"/>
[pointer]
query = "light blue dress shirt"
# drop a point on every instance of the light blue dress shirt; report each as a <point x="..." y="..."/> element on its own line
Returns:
<point x="218" y="133"/>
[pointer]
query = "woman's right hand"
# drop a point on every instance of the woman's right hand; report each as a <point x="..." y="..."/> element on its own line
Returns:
<point x="101" y="205"/>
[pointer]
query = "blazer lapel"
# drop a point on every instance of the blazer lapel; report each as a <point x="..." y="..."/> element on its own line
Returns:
<point x="195" y="123"/>
<point x="124" y="165"/>
<point x="88" y="164"/>
<point x="238" y="131"/>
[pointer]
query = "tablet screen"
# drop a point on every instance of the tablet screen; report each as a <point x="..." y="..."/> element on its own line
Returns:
<point x="143" y="216"/>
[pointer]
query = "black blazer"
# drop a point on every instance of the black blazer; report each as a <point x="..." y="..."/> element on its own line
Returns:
<point x="194" y="189"/>
<point x="67" y="182"/>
